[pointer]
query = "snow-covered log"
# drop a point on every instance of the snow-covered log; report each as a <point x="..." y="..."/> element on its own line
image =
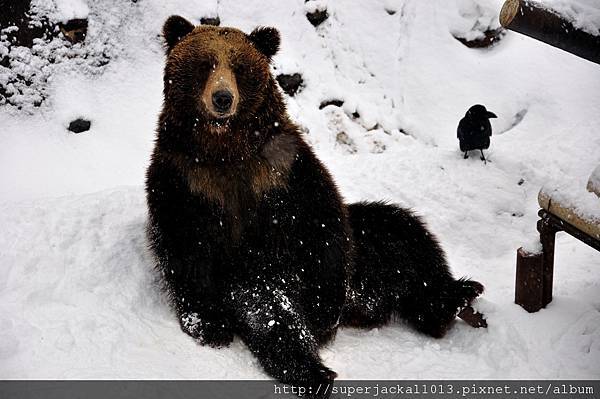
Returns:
<point x="547" y="25"/>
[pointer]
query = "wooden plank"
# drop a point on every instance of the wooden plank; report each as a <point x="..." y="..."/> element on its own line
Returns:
<point x="570" y="221"/>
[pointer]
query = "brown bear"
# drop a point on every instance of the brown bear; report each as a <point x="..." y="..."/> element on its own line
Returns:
<point x="249" y="230"/>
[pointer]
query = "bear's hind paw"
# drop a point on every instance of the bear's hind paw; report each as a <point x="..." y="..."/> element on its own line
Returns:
<point x="472" y="317"/>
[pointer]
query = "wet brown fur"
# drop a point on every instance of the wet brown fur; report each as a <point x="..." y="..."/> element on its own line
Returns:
<point x="242" y="214"/>
<point x="222" y="159"/>
<point x="222" y="52"/>
<point x="240" y="183"/>
<point x="262" y="172"/>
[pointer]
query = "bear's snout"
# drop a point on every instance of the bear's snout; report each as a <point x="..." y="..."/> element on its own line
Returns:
<point x="222" y="100"/>
<point x="221" y="95"/>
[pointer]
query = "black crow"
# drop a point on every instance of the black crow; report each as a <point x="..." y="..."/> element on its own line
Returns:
<point x="474" y="130"/>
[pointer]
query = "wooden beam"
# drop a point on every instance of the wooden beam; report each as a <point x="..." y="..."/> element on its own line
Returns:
<point x="544" y="24"/>
<point x="560" y="225"/>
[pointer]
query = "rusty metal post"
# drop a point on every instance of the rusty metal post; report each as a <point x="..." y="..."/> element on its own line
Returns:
<point x="529" y="286"/>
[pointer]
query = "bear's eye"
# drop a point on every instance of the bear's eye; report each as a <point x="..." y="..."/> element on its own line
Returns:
<point x="204" y="65"/>
<point x="241" y="69"/>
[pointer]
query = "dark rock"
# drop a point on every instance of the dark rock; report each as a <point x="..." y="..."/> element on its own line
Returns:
<point x="335" y="102"/>
<point x="214" y="21"/>
<point x="104" y="60"/>
<point x="80" y="125"/>
<point x="490" y="38"/>
<point x="390" y="11"/>
<point x="290" y="84"/>
<point x="3" y="95"/>
<point x="317" y="17"/>
<point x="5" y="61"/>
<point x="75" y="30"/>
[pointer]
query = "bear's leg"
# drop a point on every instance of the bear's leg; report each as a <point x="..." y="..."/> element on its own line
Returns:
<point x="274" y="330"/>
<point x="206" y="325"/>
<point x="200" y="308"/>
<point x="367" y="305"/>
<point x="401" y="269"/>
<point x="433" y="309"/>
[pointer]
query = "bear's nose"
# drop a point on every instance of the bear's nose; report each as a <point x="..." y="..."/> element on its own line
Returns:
<point x="222" y="100"/>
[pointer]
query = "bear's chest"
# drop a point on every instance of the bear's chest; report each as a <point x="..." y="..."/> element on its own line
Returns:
<point x="248" y="193"/>
<point x="241" y="194"/>
<point x="235" y="186"/>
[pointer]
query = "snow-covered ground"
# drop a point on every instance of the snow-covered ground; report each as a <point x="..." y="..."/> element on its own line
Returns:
<point x="78" y="296"/>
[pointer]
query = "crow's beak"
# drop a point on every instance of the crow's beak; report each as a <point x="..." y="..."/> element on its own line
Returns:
<point x="491" y="115"/>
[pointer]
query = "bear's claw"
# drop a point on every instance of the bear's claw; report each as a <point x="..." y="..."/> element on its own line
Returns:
<point x="472" y="317"/>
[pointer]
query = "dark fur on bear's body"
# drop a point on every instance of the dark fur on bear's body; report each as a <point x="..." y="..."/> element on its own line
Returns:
<point x="401" y="270"/>
<point x="250" y="232"/>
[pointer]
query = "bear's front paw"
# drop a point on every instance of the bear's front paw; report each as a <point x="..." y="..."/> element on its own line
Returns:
<point x="211" y="333"/>
<point x="320" y="383"/>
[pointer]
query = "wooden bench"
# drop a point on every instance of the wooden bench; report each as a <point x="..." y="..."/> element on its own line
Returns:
<point x="535" y="269"/>
<point x="560" y="211"/>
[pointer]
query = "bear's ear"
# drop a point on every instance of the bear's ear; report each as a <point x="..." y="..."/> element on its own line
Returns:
<point x="174" y="29"/>
<point x="266" y="40"/>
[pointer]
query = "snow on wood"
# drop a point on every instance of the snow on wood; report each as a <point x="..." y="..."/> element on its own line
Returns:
<point x="545" y="24"/>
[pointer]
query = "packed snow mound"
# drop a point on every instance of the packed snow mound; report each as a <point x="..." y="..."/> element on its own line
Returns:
<point x="71" y="9"/>
<point x="476" y="17"/>
<point x="593" y="185"/>
<point x="61" y="10"/>
<point x="77" y="288"/>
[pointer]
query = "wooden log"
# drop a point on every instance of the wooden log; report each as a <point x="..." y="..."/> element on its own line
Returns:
<point x="544" y="24"/>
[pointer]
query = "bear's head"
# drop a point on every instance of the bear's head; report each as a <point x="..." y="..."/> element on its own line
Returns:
<point x="217" y="75"/>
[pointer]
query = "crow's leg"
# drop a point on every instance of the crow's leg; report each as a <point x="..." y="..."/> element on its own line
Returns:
<point x="466" y="155"/>
<point x="276" y="332"/>
<point x="483" y="157"/>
